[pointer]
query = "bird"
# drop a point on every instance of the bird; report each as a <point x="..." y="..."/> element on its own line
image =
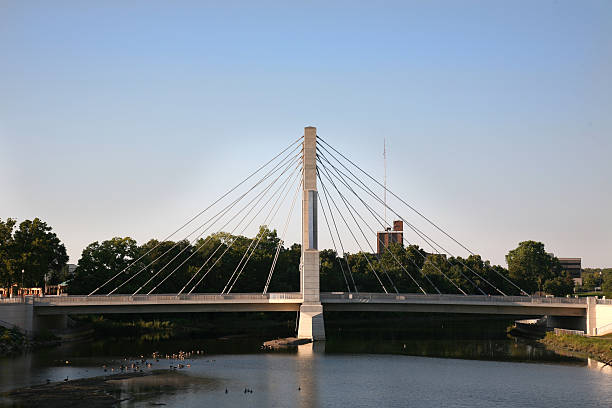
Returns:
<point x="66" y="379"/>
<point x="226" y="390"/>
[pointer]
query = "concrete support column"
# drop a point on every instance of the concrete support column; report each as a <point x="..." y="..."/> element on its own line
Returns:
<point x="591" y="316"/>
<point x="311" y="312"/>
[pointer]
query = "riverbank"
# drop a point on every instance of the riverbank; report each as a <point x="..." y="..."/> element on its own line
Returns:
<point x="599" y="348"/>
<point x="12" y="342"/>
<point x="96" y="392"/>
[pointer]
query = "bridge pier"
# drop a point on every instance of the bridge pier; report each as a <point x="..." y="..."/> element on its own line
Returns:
<point x="311" y="325"/>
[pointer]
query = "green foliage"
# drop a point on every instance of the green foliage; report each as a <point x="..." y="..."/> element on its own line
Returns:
<point x="8" y="266"/>
<point x="100" y="262"/>
<point x="530" y="266"/>
<point x="208" y="265"/>
<point x="606" y="285"/>
<point x="597" y="347"/>
<point x="597" y="278"/>
<point x="559" y="286"/>
<point x="217" y="262"/>
<point x="34" y="249"/>
<point x="591" y="279"/>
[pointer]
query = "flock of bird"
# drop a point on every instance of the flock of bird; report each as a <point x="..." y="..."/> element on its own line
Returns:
<point x="138" y="365"/>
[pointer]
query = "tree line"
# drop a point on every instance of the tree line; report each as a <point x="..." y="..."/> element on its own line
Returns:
<point x="597" y="279"/>
<point x="30" y="254"/>
<point x="167" y="267"/>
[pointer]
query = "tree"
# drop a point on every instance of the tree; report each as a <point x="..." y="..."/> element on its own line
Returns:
<point x="7" y="248"/>
<point x="530" y="266"/>
<point x="559" y="286"/>
<point x="100" y="262"/>
<point x="606" y="285"/>
<point x="38" y="252"/>
<point x="333" y="275"/>
<point x="591" y="280"/>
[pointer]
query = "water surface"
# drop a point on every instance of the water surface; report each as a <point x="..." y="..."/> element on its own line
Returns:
<point x="353" y="368"/>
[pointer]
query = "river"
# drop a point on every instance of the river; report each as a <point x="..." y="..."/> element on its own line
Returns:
<point x="356" y="368"/>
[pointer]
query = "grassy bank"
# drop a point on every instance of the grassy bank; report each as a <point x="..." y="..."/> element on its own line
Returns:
<point x="599" y="348"/>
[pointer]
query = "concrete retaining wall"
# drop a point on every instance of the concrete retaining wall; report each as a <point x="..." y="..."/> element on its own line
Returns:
<point x="604" y="319"/>
<point x="18" y="315"/>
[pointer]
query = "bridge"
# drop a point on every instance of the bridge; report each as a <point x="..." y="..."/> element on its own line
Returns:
<point x="306" y="161"/>
<point x="54" y="309"/>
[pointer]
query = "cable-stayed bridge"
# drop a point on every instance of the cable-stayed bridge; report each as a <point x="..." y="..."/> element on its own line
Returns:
<point x="200" y="272"/>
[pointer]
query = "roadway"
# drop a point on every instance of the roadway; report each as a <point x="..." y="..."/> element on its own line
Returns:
<point x="334" y="301"/>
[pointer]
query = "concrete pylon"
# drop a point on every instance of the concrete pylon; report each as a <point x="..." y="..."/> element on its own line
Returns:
<point x="311" y="312"/>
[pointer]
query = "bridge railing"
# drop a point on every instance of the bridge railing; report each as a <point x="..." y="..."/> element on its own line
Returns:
<point x="331" y="296"/>
<point x="604" y="301"/>
<point x="20" y="299"/>
<point x="12" y="300"/>
<point x="454" y="298"/>
<point x="164" y="298"/>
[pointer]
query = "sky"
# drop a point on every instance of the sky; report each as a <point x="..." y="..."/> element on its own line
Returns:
<point x="126" y="118"/>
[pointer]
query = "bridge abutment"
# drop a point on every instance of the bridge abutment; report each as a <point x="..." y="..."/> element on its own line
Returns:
<point x="21" y="315"/>
<point x="18" y="315"/>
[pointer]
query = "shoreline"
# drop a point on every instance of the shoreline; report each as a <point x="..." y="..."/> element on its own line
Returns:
<point x="597" y="348"/>
<point x="98" y="392"/>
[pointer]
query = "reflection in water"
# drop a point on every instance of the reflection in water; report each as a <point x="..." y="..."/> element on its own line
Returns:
<point x="599" y="366"/>
<point x="144" y="389"/>
<point x="306" y="373"/>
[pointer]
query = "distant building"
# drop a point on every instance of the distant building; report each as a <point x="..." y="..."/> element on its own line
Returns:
<point x="69" y="271"/>
<point x="384" y="238"/>
<point x="572" y="266"/>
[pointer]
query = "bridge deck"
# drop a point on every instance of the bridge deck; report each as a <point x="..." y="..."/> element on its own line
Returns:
<point x="291" y="301"/>
<point x="506" y="305"/>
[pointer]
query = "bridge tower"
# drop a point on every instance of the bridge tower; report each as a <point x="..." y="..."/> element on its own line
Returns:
<point x="311" y="312"/>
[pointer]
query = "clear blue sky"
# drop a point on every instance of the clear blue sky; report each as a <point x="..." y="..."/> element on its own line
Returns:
<point x="124" y="118"/>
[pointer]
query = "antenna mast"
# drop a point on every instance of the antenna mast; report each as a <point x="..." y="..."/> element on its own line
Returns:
<point x="385" y="161"/>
